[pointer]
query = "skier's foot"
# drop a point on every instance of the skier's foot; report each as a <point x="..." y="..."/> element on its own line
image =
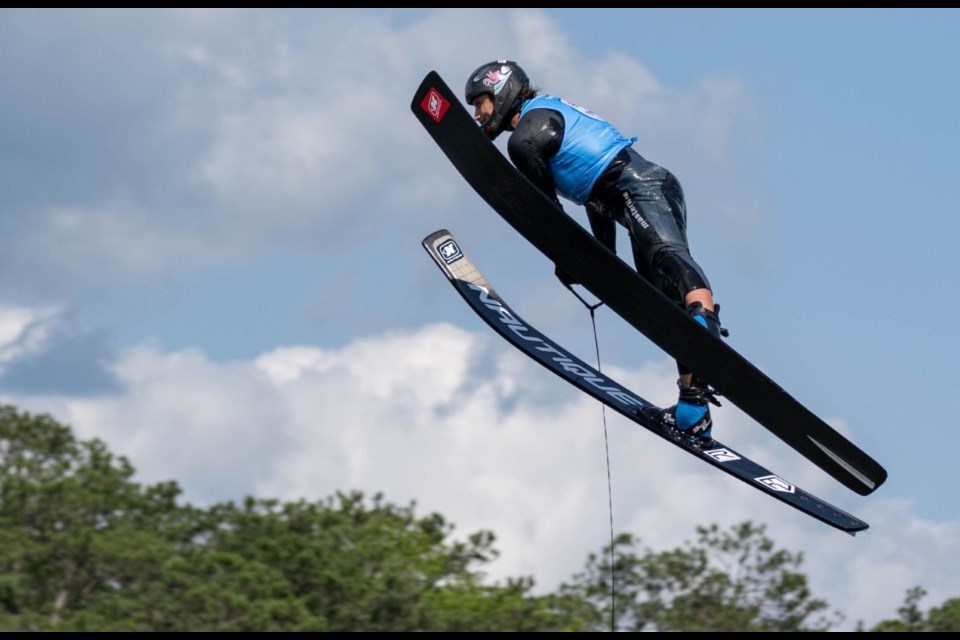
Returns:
<point x="693" y="421"/>
<point x="690" y="417"/>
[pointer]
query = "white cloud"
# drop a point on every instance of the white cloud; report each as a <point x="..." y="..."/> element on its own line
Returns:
<point x="25" y="331"/>
<point x="231" y="73"/>
<point x="247" y="135"/>
<point x="464" y="426"/>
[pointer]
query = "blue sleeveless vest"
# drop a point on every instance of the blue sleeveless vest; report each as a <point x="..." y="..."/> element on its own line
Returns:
<point x="589" y="144"/>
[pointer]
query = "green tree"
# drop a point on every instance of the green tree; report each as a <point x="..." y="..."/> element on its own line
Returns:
<point x="732" y="580"/>
<point x="946" y="617"/>
<point x="84" y="548"/>
<point x="72" y="525"/>
<point x="346" y="565"/>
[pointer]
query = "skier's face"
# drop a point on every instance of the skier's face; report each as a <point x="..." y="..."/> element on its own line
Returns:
<point x="482" y="108"/>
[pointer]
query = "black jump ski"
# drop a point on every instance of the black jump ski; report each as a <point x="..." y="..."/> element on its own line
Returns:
<point x="571" y="247"/>
<point x="482" y="298"/>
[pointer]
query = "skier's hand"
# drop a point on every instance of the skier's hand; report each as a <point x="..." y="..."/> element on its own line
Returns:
<point x="565" y="278"/>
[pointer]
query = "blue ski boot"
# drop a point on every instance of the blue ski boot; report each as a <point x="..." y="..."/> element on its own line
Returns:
<point x="691" y="414"/>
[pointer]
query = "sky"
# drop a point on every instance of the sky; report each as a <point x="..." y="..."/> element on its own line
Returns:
<point x="210" y="227"/>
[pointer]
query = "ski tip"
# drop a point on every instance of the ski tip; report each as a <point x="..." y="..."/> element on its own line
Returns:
<point x="439" y="233"/>
<point x="428" y="96"/>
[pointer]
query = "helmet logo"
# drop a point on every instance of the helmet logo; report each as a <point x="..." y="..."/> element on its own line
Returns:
<point x="496" y="78"/>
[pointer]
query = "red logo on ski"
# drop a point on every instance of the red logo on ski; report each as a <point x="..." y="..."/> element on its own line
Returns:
<point x="435" y="105"/>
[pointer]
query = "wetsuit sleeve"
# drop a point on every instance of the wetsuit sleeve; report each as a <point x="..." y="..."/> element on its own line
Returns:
<point x="536" y="139"/>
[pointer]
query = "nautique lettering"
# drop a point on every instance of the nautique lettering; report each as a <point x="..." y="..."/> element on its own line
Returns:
<point x="549" y="348"/>
<point x="565" y="362"/>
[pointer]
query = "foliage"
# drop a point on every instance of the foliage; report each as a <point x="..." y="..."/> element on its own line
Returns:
<point x="84" y="548"/>
<point x="728" y="581"/>
<point x="946" y="617"/>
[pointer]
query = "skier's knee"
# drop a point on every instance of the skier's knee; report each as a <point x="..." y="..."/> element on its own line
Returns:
<point x="679" y="268"/>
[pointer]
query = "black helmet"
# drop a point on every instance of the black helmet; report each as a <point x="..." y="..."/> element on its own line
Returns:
<point x="505" y="81"/>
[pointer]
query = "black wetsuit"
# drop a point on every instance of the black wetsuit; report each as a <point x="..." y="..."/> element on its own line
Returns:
<point x="632" y="191"/>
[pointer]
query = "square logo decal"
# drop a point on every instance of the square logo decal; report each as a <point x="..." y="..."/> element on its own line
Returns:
<point x="449" y="251"/>
<point x="435" y="105"/>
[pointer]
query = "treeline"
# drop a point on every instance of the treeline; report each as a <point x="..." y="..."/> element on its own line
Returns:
<point x="85" y="548"/>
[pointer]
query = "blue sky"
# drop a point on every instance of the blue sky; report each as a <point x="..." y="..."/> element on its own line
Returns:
<point x="210" y="227"/>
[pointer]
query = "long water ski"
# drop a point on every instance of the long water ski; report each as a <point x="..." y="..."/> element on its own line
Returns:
<point x="571" y="247"/>
<point x="485" y="301"/>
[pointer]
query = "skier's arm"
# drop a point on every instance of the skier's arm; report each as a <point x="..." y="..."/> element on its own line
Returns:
<point x="536" y="139"/>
